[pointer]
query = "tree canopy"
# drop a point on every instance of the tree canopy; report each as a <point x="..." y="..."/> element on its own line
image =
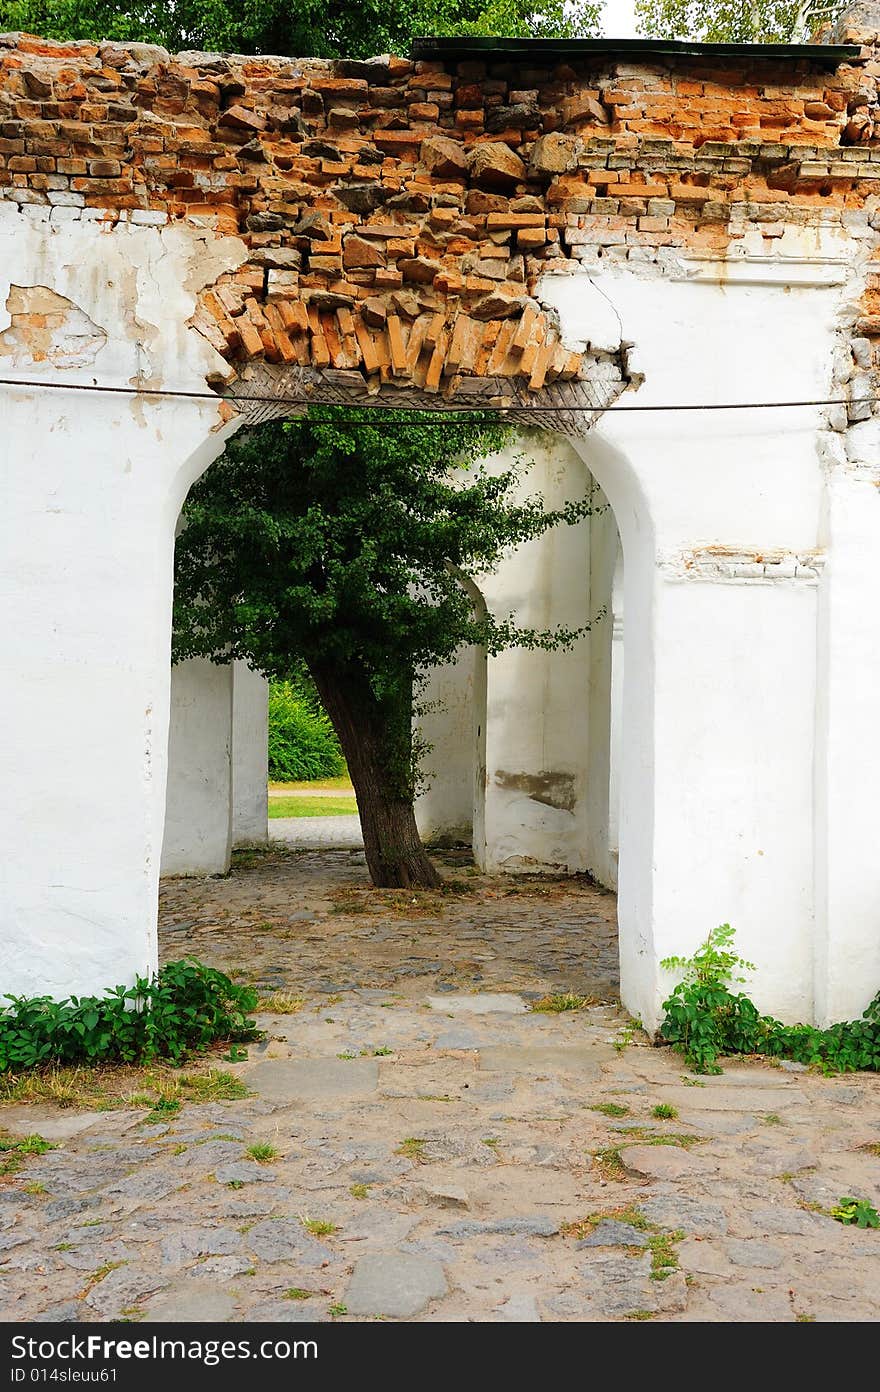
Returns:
<point x="726" y="21"/>
<point x="346" y="542"/>
<point x="307" y="28"/>
<point x="347" y="546"/>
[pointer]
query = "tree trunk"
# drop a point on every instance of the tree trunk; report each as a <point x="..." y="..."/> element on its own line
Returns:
<point x="376" y="740"/>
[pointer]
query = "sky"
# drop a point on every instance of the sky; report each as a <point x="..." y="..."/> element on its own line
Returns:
<point x="619" y="19"/>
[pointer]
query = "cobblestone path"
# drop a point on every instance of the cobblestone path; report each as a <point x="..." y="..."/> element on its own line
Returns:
<point x="437" y="1150"/>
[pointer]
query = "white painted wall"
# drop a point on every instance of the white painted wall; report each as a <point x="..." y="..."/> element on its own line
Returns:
<point x="847" y="959"/>
<point x="449" y="707"/>
<point x="198" y="803"/>
<point x="250" y="737"/>
<point x="92" y="487"/>
<point x="536" y="723"/>
<point x="750" y="747"/>
<point x="717" y="817"/>
<point x="616" y="741"/>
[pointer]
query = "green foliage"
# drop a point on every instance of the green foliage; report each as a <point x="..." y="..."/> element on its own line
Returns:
<point x="15" y="1149"/>
<point x="348" y="546"/>
<point x="725" y="21"/>
<point x="704" y="1019"/>
<point x="857" y="1212"/>
<point x="302" y="741"/>
<point x="185" y="1008"/>
<point x="309" y="28"/>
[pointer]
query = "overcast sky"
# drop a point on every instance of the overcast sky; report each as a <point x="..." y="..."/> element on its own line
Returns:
<point x="619" y="19"/>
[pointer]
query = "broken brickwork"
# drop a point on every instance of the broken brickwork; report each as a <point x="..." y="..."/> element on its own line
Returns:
<point x="398" y="216"/>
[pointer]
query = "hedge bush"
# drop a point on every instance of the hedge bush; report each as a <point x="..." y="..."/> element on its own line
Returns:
<point x="185" y="1008"/>
<point x="302" y="741"/>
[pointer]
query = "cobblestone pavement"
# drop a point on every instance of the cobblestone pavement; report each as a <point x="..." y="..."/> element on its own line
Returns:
<point x="441" y="1151"/>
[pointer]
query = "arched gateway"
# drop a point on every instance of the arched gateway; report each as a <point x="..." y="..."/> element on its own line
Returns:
<point x="576" y="228"/>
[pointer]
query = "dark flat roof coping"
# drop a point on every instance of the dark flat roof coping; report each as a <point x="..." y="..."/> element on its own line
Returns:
<point x="817" y="55"/>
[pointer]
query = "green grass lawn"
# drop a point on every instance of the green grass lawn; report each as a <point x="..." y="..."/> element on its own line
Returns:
<point x="341" y="784"/>
<point x="312" y="807"/>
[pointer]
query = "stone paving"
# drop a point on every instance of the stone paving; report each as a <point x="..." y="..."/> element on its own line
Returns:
<point x="444" y="1152"/>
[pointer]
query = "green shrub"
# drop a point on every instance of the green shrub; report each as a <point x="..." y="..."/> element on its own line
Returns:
<point x="302" y="741"/>
<point x="185" y="1008"/>
<point x="704" y="1019"/>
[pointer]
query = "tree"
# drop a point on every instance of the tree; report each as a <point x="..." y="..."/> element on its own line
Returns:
<point x="728" y="21"/>
<point x="343" y="545"/>
<point x="301" y="28"/>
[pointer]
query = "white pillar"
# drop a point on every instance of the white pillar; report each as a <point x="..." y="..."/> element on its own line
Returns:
<point x="445" y="724"/>
<point x="92" y="486"/>
<point x="198" y="805"/>
<point x="537" y="738"/>
<point x="250" y="756"/>
<point x="847" y="963"/>
<point x="719" y="519"/>
<point x="616" y="740"/>
<point x="599" y="711"/>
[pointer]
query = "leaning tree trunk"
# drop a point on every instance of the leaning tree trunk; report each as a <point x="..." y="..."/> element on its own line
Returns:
<point x="376" y="740"/>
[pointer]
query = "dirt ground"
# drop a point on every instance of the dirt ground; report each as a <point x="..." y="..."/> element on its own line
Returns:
<point x="309" y="922"/>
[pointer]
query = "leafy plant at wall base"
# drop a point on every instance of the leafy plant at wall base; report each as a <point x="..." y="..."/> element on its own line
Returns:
<point x="187" y="1007"/>
<point x="704" y="1019"/>
<point x="857" y="1212"/>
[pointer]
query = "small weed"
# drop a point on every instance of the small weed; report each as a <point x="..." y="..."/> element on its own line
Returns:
<point x="347" y="1055"/>
<point x="555" y="1005"/>
<point x="280" y="1003"/>
<point x="162" y="1109"/>
<point x="872" y="1147"/>
<point x="610" y="1109"/>
<point x="13" y="1151"/>
<point x="132" y="1314"/>
<point x="35" y="1188"/>
<point x="412" y="1147"/>
<point x="336" y="1310"/>
<point x="610" y="1165"/>
<point x="771" y="1119"/>
<point x="674" y="1138"/>
<point x="359" y="1191"/>
<point x="640" y="1315"/>
<point x="179" y="1149"/>
<point x="235" y="1054"/>
<point x="584" y="1226"/>
<point x="804" y="1319"/>
<point x="380" y="1053"/>
<point x="262" y="1152"/>
<point x="856" y="1212"/>
<point x="64" y="1247"/>
<point x="99" y="1275"/>
<point x="490" y="1140"/>
<point x="664" y="1111"/>
<point x="319" y="1227"/>
<point x="691" y="1082"/>
<point x="297" y="1293"/>
<point x="664" y="1258"/>
<point x="235" y="1184"/>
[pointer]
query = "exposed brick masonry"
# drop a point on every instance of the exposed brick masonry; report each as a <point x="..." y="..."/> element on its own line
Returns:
<point x="399" y="215"/>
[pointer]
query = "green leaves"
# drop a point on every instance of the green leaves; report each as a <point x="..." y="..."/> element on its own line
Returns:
<point x="187" y="1007"/>
<point x="723" y="21"/>
<point x="856" y="1212"/>
<point x="310" y="28"/>
<point x="705" y="1020"/>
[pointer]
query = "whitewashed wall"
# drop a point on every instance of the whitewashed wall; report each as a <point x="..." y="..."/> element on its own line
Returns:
<point x="749" y="741"/>
<point x="92" y="487"/>
<point x="198" y="803"/>
<point x="250" y="736"/>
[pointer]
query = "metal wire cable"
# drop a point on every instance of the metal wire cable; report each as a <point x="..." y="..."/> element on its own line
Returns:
<point x="446" y="411"/>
